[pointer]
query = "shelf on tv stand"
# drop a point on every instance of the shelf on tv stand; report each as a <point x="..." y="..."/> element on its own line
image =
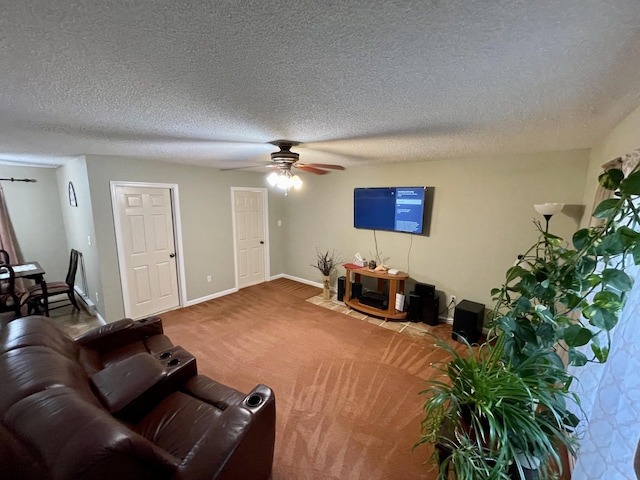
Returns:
<point x="396" y="285"/>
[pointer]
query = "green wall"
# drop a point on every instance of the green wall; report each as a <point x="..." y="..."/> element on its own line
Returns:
<point x="482" y="217"/>
<point x="205" y="211"/>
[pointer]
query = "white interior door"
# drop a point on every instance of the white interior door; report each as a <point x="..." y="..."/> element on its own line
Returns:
<point x="250" y="236"/>
<point x="146" y="249"/>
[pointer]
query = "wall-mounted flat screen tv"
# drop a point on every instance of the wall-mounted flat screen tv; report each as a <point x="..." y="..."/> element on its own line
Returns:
<point x="398" y="209"/>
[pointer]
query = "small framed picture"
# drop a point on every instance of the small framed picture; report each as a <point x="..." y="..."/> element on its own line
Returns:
<point x="73" y="201"/>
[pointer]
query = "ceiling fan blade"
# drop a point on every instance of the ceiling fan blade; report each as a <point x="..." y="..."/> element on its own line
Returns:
<point x="245" y="167"/>
<point x="307" y="168"/>
<point x="324" y="165"/>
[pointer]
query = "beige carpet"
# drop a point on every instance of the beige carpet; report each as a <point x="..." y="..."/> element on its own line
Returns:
<point x="347" y="390"/>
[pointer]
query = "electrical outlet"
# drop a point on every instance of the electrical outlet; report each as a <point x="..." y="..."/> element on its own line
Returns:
<point x="97" y="297"/>
<point x="453" y="300"/>
<point x="209" y="278"/>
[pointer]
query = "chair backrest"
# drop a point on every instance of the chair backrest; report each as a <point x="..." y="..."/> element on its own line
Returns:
<point x="9" y="300"/>
<point x="73" y="268"/>
<point x="4" y="257"/>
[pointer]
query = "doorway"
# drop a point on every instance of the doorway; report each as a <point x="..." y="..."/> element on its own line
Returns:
<point x="149" y="247"/>
<point x="250" y="235"/>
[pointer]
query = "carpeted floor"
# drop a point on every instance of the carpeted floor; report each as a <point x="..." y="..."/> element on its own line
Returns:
<point x="347" y="390"/>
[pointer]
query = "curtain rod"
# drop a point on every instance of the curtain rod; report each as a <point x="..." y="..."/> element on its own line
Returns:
<point x="18" y="179"/>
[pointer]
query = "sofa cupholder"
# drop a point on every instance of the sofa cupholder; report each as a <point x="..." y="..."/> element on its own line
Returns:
<point x="254" y="400"/>
<point x="173" y="362"/>
<point x="165" y="355"/>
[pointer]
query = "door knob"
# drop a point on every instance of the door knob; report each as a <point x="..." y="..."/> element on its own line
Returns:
<point x="261" y="242"/>
<point x="171" y="255"/>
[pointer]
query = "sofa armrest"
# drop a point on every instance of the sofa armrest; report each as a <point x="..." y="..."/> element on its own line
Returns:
<point x="239" y="445"/>
<point x="122" y="383"/>
<point x="116" y="334"/>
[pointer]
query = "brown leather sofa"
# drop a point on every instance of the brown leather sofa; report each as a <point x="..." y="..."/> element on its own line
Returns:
<point x="123" y="402"/>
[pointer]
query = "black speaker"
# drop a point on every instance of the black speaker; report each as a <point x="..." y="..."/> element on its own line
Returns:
<point x="468" y="320"/>
<point x="430" y="308"/>
<point x="356" y="290"/>
<point x="425" y="290"/>
<point x="414" y="312"/>
<point x="342" y="284"/>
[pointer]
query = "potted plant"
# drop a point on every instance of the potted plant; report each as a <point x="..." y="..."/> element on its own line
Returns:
<point x="508" y="403"/>
<point x="489" y="419"/>
<point x="326" y="262"/>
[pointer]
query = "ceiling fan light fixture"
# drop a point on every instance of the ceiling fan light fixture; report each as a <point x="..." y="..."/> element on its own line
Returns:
<point x="284" y="180"/>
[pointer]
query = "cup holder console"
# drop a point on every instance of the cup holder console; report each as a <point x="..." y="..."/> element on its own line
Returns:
<point x="179" y="365"/>
<point x="254" y="400"/>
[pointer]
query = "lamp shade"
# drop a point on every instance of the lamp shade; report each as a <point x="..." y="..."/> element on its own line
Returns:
<point x="548" y="208"/>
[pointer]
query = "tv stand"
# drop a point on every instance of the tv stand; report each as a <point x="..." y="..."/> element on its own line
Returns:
<point x="396" y="285"/>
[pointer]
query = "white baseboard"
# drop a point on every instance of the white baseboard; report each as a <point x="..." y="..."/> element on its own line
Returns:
<point x="297" y="279"/>
<point x="195" y="301"/>
<point x="85" y="300"/>
<point x="447" y="320"/>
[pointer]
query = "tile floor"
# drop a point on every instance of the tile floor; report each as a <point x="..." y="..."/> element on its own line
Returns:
<point x="74" y="322"/>
<point x="414" y="329"/>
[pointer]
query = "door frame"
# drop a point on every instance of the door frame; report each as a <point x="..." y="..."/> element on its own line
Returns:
<point x="177" y="236"/>
<point x="265" y="225"/>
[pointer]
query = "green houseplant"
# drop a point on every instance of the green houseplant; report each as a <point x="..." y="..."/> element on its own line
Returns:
<point x="557" y="303"/>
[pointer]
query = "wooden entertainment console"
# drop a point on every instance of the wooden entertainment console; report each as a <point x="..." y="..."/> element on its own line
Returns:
<point x="396" y="285"/>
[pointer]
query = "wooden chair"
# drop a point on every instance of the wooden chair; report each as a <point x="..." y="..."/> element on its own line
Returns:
<point x="4" y="257"/>
<point x="10" y="299"/>
<point x="36" y="295"/>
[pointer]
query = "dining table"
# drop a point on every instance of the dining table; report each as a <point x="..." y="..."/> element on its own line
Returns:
<point x="33" y="271"/>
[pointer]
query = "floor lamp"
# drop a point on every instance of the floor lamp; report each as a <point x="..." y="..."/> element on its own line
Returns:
<point x="548" y="210"/>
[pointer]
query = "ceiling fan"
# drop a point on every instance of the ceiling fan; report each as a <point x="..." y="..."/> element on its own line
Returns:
<point x="284" y="160"/>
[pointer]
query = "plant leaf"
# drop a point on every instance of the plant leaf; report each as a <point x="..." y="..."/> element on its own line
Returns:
<point x="609" y="300"/>
<point x="601" y="353"/>
<point x="600" y="317"/>
<point x="577" y="358"/>
<point x="611" y="178"/>
<point x="577" y="335"/>
<point x="631" y="184"/>
<point x="581" y="238"/>
<point x="606" y="207"/>
<point x="515" y="272"/>
<point x="635" y="251"/>
<point x="617" y="279"/>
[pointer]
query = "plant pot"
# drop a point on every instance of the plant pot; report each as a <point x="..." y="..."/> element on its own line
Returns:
<point x="326" y="291"/>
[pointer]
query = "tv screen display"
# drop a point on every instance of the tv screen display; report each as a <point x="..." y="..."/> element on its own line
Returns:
<point x="398" y="209"/>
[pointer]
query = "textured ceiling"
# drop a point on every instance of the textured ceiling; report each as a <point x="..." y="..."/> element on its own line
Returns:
<point x="358" y="81"/>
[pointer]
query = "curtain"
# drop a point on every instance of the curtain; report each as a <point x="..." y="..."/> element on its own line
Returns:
<point x="7" y="237"/>
<point x="610" y="392"/>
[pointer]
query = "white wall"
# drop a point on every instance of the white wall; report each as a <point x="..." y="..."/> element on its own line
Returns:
<point x="78" y="224"/>
<point x="36" y="215"/>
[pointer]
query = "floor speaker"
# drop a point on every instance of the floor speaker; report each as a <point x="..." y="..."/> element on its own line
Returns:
<point x="414" y="312"/>
<point x="430" y="307"/>
<point x="342" y="283"/>
<point x="356" y="290"/>
<point x="425" y="290"/>
<point x="468" y="320"/>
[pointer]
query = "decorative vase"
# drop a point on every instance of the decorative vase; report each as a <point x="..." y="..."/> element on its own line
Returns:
<point x="326" y="292"/>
